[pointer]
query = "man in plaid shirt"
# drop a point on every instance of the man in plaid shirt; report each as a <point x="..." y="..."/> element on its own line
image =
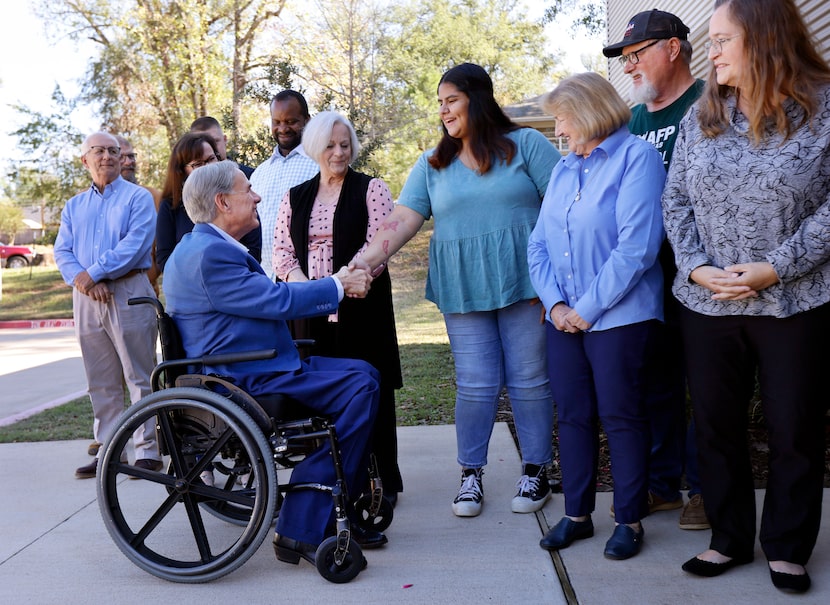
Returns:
<point x="287" y="166"/>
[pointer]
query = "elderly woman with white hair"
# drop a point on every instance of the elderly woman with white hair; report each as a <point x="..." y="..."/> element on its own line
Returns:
<point x="322" y="224"/>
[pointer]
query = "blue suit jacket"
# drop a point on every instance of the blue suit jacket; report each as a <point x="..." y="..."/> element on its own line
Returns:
<point x="222" y="302"/>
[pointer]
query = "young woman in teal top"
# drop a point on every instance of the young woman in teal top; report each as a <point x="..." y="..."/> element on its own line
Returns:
<point x="483" y="184"/>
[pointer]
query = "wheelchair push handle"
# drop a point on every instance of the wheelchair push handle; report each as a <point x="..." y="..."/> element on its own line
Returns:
<point x="147" y="300"/>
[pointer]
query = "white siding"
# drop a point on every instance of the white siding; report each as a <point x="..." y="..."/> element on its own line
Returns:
<point x="695" y="14"/>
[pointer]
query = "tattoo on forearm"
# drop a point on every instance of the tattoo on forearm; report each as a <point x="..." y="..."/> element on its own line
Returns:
<point x="385" y="247"/>
<point x="392" y="225"/>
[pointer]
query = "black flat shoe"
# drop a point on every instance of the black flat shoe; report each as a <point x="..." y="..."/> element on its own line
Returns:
<point x="289" y="550"/>
<point x="789" y="582"/>
<point x="624" y="543"/>
<point x="367" y="538"/>
<point x="707" y="569"/>
<point x="565" y="532"/>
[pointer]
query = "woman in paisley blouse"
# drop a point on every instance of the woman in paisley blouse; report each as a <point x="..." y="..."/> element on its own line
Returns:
<point x="747" y="211"/>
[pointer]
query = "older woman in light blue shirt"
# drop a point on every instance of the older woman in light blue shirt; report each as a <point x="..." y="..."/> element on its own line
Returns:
<point x="593" y="261"/>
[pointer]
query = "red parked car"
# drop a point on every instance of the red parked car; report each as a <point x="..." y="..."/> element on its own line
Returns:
<point x="18" y="257"/>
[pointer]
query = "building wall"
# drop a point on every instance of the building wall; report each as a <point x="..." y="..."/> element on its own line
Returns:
<point x="695" y="14"/>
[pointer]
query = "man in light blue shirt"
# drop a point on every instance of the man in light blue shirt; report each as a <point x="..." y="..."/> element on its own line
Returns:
<point x="287" y="166"/>
<point x="103" y="252"/>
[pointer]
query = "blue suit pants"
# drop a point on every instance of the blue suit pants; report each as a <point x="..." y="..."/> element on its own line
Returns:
<point x="346" y="391"/>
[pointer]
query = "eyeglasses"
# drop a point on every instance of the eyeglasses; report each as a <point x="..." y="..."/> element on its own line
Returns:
<point x="128" y="156"/>
<point x="98" y="151"/>
<point x="203" y="162"/>
<point x="634" y="57"/>
<point x="718" y="43"/>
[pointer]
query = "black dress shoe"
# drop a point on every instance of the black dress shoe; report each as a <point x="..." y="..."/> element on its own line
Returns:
<point x="565" y="532"/>
<point x="789" y="582"/>
<point x="624" y="543"/>
<point x="289" y="550"/>
<point x="367" y="538"/>
<point x="707" y="569"/>
<point x="147" y="464"/>
<point x="87" y="471"/>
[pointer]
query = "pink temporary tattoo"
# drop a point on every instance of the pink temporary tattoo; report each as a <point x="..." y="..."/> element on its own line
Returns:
<point x="393" y="226"/>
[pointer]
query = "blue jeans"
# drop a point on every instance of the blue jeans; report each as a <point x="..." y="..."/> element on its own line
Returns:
<point x="494" y="349"/>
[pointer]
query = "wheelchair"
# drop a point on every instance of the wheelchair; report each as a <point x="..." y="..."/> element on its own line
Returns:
<point x="208" y="510"/>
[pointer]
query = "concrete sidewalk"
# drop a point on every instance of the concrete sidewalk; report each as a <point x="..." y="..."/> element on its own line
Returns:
<point x="54" y="546"/>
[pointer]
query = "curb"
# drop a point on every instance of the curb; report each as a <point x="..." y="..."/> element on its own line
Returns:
<point x="38" y="323"/>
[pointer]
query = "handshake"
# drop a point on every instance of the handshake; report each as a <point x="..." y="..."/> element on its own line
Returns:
<point x="357" y="277"/>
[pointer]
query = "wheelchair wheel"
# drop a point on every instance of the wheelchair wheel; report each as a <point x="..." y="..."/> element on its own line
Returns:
<point x="352" y="564"/>
<point x="158" y="523"/>
<point x="369" y="516"/>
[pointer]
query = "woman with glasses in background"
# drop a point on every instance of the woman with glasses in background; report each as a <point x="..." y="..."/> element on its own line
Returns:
<point x="747" y="212"/>
<point x="190" y="152"/>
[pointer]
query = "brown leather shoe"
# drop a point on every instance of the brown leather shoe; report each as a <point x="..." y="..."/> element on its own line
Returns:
<point x="93" y="448"/>
<point x="147" y="464"/>
<point x="693" y="515"/>
<point x="87" y="471"/>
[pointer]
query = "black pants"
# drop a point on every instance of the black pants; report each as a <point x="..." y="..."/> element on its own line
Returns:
<point x="790" y="358"/>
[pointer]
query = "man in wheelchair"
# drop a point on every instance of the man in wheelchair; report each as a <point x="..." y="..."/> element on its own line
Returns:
<point x="222" y="302"/>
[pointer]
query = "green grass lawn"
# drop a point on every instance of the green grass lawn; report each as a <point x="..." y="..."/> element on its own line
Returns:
<point x="35" y="293"/>
<point x="427" y="397"/>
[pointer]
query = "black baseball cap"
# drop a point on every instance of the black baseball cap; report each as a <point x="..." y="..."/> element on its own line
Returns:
<point x="649" y="25"/>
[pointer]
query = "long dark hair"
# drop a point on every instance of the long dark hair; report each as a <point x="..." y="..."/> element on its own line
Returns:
<point x="782" y="59"/>
<point x="487" y="122"/>
<point x="186" y="149"/>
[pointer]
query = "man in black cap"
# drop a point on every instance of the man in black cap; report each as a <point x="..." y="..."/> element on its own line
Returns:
<point x="656" y="54"/>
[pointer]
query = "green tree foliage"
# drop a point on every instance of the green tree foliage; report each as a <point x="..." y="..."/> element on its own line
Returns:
<point x="49" y="170"/>
<point x="11" y="221"/>
<point x="167" y="62"/>
<point x="583" y="14"/>
<point x="161" y="63"/>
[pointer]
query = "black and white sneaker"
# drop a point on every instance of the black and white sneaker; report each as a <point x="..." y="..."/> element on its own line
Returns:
<point x="533" y="490"/>
<point x="468" y="501"/>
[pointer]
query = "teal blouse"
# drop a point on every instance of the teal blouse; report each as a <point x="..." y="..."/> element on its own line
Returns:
<point x="478" y="250"/>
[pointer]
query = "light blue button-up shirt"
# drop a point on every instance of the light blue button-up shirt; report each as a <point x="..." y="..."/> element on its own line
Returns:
<point x="107" y="233"/>
<point x="595" y="244"/>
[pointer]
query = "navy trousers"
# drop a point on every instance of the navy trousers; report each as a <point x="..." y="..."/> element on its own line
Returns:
<point x="598" y="376"/>
<point x="345" y="391"/>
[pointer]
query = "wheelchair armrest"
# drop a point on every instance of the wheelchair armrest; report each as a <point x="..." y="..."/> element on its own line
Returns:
<point x="221" y="359"/>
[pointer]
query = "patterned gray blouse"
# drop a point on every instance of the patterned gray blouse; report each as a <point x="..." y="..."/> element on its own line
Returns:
<point x="728" y="201"/>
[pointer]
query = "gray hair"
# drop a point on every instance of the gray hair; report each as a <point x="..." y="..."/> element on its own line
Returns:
<point x="317" y="134"/>
<point x="86" y="144"/>
<point x="203" y="185"/>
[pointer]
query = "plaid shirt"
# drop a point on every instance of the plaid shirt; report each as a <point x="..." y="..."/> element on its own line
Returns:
<point x="271" y="180"/>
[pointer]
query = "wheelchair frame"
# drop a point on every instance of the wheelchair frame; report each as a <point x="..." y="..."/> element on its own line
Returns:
<point x="206" y="426"/>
